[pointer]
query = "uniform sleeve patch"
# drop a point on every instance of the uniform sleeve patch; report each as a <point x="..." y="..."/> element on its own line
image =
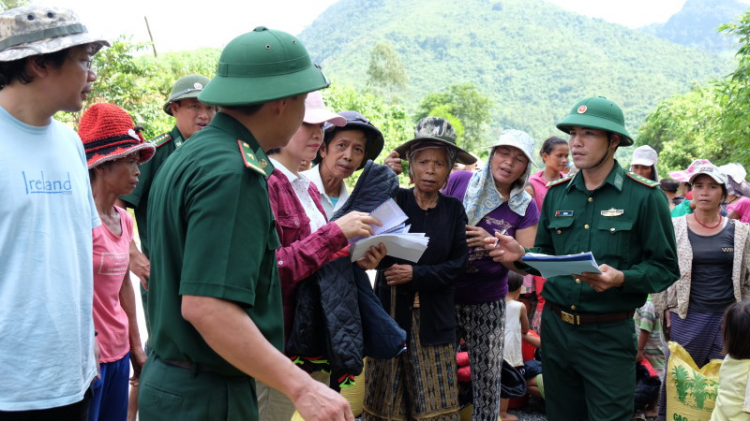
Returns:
<point x="643" y="180"/>
<point x="560" y="181"/>
<point x="248" y="157"/>
<point x="160" y="140"/>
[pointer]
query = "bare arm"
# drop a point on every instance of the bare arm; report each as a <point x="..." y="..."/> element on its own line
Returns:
<point x="140" y="265"/>
<point x="642" y="339"/>
<point x="229" y="331"/>
<point x="524" y="322"/>
<point x="127" y="301"/>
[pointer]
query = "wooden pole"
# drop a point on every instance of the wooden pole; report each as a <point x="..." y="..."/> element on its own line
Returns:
<point x="153" y="44"/>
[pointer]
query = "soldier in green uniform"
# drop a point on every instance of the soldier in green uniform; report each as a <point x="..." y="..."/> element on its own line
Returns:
<point x="190" y="116"/>
<point x="214" y="293"/>
<point x="587" y="323"/>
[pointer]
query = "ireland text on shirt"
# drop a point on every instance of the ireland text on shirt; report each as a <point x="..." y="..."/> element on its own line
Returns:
<point x="47" y="186"/>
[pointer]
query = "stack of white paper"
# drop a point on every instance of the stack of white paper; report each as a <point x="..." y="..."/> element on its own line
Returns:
<point x="569" y="264"/>
<point x="393" y="233"/>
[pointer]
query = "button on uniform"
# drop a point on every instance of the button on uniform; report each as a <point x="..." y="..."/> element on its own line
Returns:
<point x="586" y="226"/>
<point x="573" y="308"/>
<point x="578" y="281"/>
<point x="591" y="199"/>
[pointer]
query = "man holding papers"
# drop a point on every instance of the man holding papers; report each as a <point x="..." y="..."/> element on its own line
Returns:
<point x="623" y="219"/>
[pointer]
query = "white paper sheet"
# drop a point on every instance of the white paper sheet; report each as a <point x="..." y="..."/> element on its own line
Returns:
<point x="569" y="264"/>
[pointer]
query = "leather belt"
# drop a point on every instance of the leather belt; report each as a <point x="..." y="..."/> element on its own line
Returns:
<point x="589" y="318"/>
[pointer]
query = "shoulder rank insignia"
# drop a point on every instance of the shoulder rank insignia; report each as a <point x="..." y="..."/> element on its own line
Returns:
<point x="251" y="160"/>
<point x="643" y="180"/>
<point x="161" y="139"/>
<point x="612" y="212"/>
<point x="560" y="181"/>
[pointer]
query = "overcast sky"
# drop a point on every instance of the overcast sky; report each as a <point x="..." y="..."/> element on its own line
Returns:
<point x="193" y="24"/>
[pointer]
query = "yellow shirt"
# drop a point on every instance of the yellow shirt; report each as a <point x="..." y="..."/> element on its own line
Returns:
<point x="733" y="399"/>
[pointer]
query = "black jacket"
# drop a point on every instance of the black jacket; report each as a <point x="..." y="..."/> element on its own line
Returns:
<point x="338" y="315"/>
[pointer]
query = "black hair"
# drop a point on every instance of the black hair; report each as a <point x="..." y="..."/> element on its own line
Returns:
<point x="515" y="281"/>
<point x="669" y="185"/>
<point x="246" y="110"/>
<point x="734" y="330"/>
<point x="549" y="145"/>
<point x="11" y="71"/>
<point x="273" y="151"/>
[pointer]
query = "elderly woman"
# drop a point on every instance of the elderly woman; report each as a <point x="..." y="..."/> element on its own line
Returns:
<point x="114" y="149"/>
<point x="714" y="255"/>
<point x="495" y="202"/>
<point x="308" y="240"/>
<point x="345" y="149"/>
<point x="422" y="383"/>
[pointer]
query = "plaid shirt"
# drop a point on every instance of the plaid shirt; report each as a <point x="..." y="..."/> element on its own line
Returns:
<point x="301" y="253"/>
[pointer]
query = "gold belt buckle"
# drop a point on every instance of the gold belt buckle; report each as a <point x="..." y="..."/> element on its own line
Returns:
<point x="569" y="318"/>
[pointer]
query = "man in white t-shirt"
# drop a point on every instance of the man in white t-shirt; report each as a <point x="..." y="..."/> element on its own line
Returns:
<point x="46" y="283"/>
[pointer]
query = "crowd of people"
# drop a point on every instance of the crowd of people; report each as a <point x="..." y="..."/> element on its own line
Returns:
<point x="255" y="308"/>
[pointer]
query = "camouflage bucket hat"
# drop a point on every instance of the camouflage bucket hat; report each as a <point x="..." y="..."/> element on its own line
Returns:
<point x="262" y="66"/>
<point x="35" y="30"/>
<point x="186" y="87"/>
<point x="434" y="128"/>
<point x="597" y="113"/>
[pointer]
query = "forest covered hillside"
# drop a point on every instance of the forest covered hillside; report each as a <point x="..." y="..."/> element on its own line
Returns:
<point x="533" y="59"/>
<point x="695" y="25"/>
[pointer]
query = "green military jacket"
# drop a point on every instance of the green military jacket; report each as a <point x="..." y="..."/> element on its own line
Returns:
<point x="625" y="223"/>
<point x="165" y="143"/>
<point x="212" y="234"/>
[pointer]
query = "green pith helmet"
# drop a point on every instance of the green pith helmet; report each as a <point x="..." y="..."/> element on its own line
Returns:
<point x="597" y="113"/>
<point x="262" y="66"/>
<point x="186" y="87"/>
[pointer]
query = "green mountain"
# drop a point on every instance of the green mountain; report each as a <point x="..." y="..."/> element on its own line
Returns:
<point x="695" y="25"/>
<point x="532" y="58"/>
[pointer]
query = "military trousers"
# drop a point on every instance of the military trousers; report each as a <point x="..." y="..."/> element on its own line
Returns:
<point x="589" y="369"/>
<point x="169" y="393"/>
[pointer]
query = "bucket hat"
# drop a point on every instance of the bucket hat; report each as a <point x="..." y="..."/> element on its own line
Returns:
<point x="684" y="175"/>
<point x="644" y="155"/>
<point x="316" y="111"/>
<point x="434" y="128"/>
<point x="354" y="120"/>
<point x="108" y="134"/>
<point x="736" y="183"/>
<point x="186" y="87"/>
<point x="261" y="66"/>
<point x="518" y="139"/>
<point x="35" y="30"/>
<point x="710" y="170"/>
<point x="597" y="113"/>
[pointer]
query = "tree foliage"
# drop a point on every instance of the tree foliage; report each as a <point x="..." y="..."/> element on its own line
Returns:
<point x="11" y="4"/>
<point x="142" y="84"/>
<point x="386" y="73"/>
<point x="532" y="59"/>
<point x="710" y="122"/>
<point x="390" y="119"/>
<point x="465" y="103"/>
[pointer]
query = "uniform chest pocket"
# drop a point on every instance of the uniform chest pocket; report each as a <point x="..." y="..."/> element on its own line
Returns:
<point x="561" y="232"/>
<point x="614" y="238"/>
<point x="558" y="226"/>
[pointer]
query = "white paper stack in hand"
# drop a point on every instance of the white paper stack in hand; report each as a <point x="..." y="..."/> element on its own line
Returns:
<point x="393" y="233"/>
